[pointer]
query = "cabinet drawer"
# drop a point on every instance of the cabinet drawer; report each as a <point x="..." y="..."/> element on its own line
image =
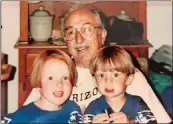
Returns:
<point x="29" y="61"/>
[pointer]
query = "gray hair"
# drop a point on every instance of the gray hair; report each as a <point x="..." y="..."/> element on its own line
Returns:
<point x="94" y="10"/>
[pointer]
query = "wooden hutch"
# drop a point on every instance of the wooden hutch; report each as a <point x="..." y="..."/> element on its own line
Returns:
<point x="28" y="50"/>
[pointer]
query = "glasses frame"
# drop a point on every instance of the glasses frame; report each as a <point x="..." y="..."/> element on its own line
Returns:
<point x="79" y="30"/>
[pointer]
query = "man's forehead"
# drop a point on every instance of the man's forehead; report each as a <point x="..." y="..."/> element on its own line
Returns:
<point x="80" y="17"/>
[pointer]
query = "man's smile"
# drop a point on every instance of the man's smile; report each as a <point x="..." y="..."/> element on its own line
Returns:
<point x="82" y="49"/>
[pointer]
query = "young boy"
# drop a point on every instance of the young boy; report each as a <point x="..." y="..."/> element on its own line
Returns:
<point x="55" y="74"/>
<point x="113" y="70"/>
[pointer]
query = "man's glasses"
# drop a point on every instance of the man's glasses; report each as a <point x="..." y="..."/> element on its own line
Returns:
<point x="87" y="31"/>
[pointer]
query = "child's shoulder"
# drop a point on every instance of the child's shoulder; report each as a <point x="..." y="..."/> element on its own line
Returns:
<point x="95" y="107"/>
<point x="97" y="101"/>
<point x="134" y="98"/>
<point x="72" y="108"/>
<point x="21" y="112"/>
<point x="24" y="109"/>
<point x="70" y="104"/>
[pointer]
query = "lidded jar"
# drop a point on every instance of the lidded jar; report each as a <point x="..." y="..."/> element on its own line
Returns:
<point x="124" y="16"/>
<point x="41" y="24"/>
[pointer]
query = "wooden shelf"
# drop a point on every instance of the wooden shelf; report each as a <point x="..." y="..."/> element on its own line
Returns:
<point x="40" y="44"/>
<point x="46" y="44"/>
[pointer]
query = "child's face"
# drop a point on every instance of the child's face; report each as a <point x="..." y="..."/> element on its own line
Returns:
<point x="56" y="85"/>
<point x="111" y="84"/>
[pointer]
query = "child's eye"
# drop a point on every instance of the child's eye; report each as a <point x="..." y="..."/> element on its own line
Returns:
<point x="101" y="75"/>
<point x="50" y="78"/>
<point x="115" y="75"/>
<point x="66" y="78"/>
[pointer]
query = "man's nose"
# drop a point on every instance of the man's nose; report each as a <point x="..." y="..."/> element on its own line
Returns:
<point x="79" y="37"/>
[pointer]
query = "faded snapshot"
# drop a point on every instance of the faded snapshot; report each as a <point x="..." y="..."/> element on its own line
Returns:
<point x="88" y="62"/>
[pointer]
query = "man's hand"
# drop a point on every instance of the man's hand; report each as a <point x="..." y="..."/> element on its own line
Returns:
<point x="120" y="117"/>
<point x="101" y="118"/>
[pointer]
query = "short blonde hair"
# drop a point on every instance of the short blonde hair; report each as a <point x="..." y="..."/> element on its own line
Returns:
<point x="111" y="58"/>
<point x="42" y="58"/>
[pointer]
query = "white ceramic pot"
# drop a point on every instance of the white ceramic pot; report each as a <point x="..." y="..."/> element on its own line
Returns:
<point x="41" y="24"/>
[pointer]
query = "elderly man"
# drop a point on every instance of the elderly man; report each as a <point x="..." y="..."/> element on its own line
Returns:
<point x="85" y="34"/>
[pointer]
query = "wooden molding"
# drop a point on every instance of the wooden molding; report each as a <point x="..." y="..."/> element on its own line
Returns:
<point x="23" y="21"/>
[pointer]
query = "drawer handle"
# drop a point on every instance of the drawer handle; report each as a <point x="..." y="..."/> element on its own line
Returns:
<point x="24" y="86"/>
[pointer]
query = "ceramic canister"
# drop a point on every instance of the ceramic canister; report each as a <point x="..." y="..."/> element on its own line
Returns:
<point x="124" y="16"/>
<point x="41" y="23"/>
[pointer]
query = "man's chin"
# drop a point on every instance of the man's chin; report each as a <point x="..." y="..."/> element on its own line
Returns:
<point x="83" y="61"/>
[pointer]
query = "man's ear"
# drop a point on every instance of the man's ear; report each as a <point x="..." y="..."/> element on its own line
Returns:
<point x="129" y="79"/>
<point x="103" y="35"/>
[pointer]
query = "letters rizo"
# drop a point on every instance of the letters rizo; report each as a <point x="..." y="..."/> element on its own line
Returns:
<point x="84" y="96"/>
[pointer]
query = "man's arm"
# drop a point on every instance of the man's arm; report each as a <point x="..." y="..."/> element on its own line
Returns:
<point x="140" y="87"/>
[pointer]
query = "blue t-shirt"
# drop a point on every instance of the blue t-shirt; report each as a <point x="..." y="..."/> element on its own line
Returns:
<point x="69" y="113"/>
<point x="135" y="108"/>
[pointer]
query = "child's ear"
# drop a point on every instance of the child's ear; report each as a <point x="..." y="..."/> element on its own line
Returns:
<point x="129" y="79"/>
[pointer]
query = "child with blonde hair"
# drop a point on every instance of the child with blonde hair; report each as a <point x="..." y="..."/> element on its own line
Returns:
<point x="113" y="70"/>
<point x="54" y="74"/>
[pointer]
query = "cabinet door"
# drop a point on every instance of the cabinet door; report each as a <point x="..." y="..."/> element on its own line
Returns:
<point x="24" y="90"/>
<point x="25" y="66"/>
<point x="24" y="85"/>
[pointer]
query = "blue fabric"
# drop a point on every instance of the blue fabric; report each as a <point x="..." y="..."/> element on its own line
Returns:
<point x="166" y="97"/>
<point x="70" y="112"/>
<point x="134" y="107"/>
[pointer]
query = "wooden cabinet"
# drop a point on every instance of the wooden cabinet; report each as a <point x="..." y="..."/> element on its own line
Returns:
<point x="28" y="50"/>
